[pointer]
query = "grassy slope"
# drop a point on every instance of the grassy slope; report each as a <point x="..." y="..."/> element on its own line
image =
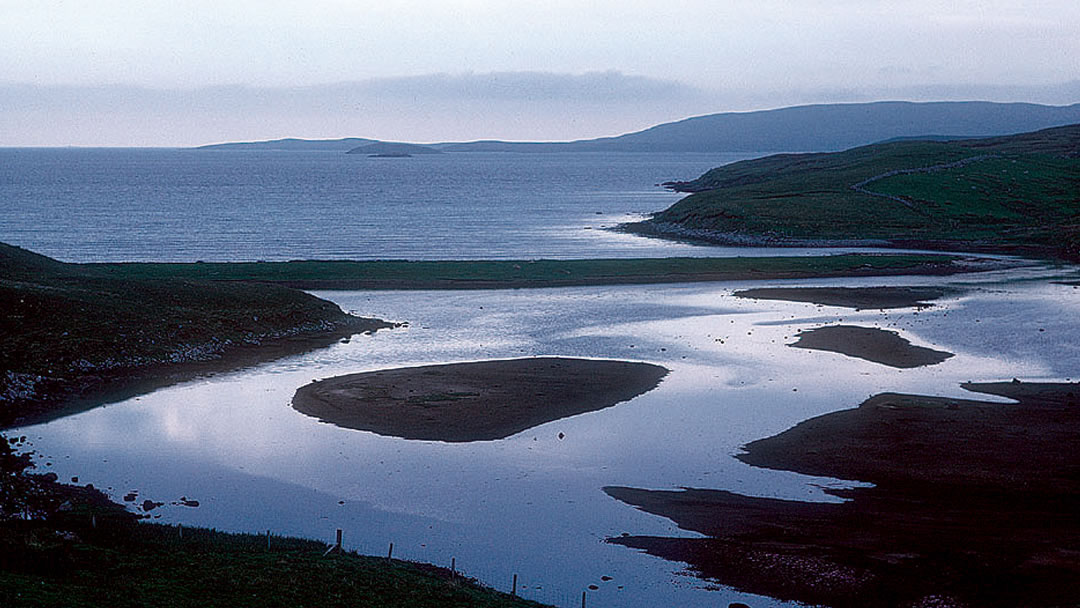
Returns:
<point x="83" y="550"/>
<point x="67" y="327"/>
<point x="149" y="565"/>
<point x="1022" y="194"/>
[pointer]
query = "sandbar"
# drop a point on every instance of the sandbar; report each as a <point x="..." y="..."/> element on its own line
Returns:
<point x="859" y="298"/>
<point x="477" y="401"/>
<point x="870" y="343"/>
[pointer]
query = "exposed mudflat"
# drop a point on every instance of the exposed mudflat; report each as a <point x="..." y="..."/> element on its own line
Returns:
<point x="974" y="504"/>
<point x="878" y="345"/>
<point x="851" y="297"/>
<point x="477" y="401"/>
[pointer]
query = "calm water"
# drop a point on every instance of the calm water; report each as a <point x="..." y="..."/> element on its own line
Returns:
<point x="84" y="205"/>
<point x="532" y="504"/>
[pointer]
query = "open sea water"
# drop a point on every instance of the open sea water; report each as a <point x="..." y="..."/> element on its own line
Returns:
<point x="93" y="205"/>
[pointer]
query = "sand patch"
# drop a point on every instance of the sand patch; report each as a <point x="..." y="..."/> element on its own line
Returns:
<point x="878" y="345"/>
<point x="851" y="297"/>
<point x="478" y="401"/>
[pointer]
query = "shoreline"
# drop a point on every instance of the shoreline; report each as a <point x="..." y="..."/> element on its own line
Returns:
<point x="75" y="337"/>
<point x="671" y="231"/>
<point x="32" y="399"/>
<point x="64" y="544"/>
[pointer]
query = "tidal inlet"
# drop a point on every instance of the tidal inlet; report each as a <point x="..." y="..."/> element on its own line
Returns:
<point x="450" y="304"/>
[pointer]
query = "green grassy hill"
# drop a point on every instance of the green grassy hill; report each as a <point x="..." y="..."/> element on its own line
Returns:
<point x="1016" y="194"/>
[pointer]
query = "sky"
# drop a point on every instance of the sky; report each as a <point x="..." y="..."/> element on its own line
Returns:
<point x="183" y="73"/>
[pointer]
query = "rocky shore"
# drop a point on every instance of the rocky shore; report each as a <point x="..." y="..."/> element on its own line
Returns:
<point x="74" y="338"/>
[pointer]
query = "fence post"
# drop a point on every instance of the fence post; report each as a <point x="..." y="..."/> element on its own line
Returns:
<point x="338" y="545"/>
<point x="513" y="589"/>
<point x="582" y="599"/>
<point x="390" y="553"/>
<point x="268" y="540"/>
<point x="453" y="567"/>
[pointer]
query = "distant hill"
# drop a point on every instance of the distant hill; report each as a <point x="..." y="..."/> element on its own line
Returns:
<point x="813" y="128"/>
<point x="393" y="148"/>
<point x="1018" y="194"/>
<point x="344" y="145"/>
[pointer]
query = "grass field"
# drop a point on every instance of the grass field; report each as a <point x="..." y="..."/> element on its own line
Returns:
<point x="67" y="545"/>
<point x="1007" y="194"/>
<point x="528" y="273"/>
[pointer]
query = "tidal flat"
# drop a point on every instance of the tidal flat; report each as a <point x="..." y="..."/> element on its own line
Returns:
<point x="533" y="504"/>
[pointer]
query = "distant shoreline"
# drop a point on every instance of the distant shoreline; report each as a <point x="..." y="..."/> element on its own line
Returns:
<point x="333" y="275"/>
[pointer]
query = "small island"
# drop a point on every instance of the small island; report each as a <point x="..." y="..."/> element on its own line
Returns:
<point x="477" y="401"/>
<point x="390" y="149"/>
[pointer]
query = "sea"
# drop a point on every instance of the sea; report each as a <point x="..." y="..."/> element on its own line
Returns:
<point x="530" y="507"/>
<point x="185" y="205"/>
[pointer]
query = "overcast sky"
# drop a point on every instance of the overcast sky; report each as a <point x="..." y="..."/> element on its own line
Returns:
<point x="179" y="73"/>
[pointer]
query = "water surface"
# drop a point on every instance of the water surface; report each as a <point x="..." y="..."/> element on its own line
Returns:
<point x="161" y="205"/>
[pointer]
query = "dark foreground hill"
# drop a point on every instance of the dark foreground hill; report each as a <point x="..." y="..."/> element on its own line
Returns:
<point x="1012" y="194"/>
<point x="70" y="330"/>
<point x="68" y="545"/>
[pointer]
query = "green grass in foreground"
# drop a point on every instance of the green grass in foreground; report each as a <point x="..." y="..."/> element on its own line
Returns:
<point x="150" y="565"/>
<point x="1015" y="193"/>
<point x="68" y="545"/>
<point x="533" y="273"/>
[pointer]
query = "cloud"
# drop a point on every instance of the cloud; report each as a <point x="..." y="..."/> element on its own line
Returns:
<point x="537" y="106"/>
<point x="607" y="87"/>
<point x="505" y="105"/>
